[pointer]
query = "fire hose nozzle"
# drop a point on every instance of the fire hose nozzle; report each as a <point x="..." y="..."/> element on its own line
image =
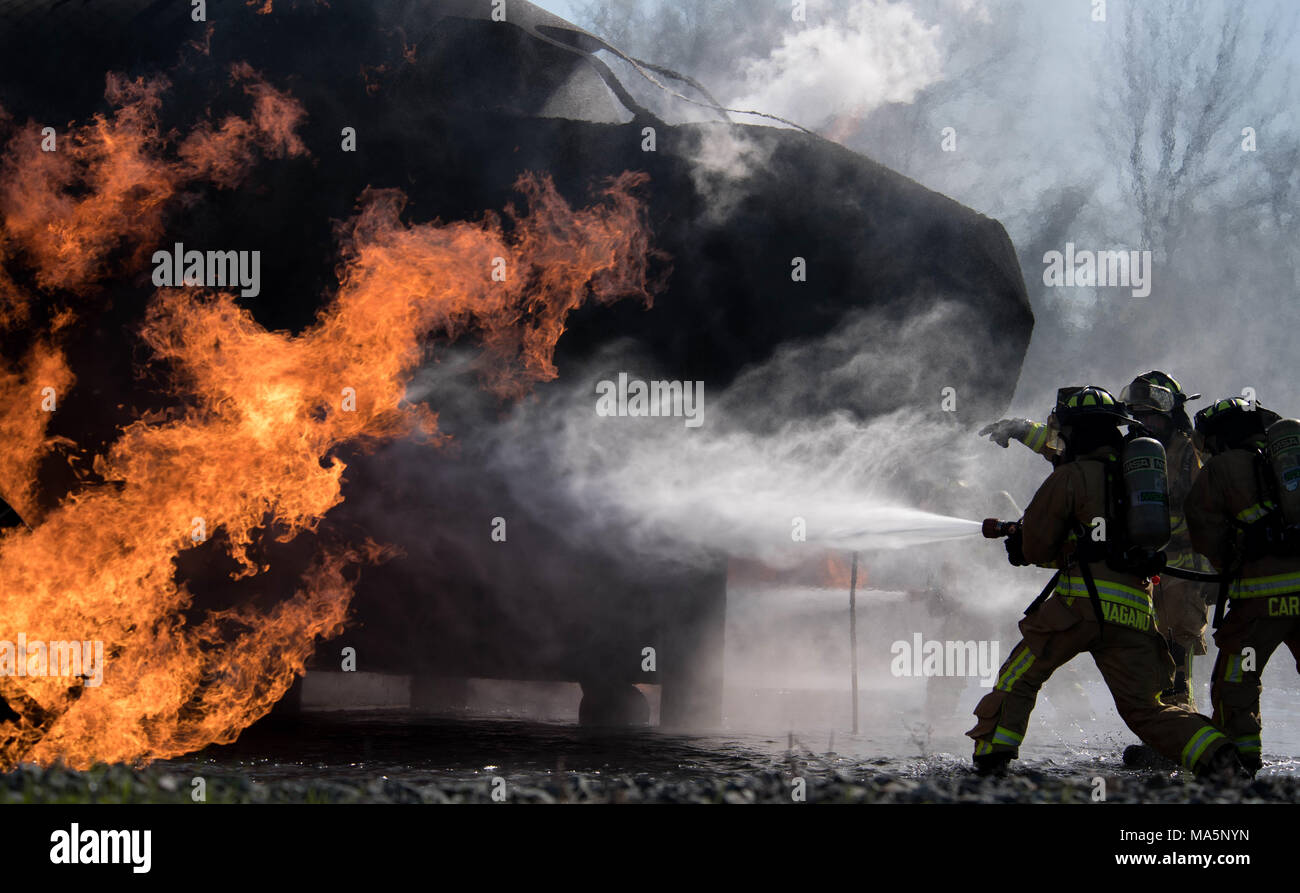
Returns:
<point x="994" y="529"/>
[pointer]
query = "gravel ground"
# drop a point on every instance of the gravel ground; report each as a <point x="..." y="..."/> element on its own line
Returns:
<point x="393" y="758"/>
<point x="946" y="784"/>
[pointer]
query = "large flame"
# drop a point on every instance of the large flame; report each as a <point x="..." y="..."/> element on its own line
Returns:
<point x="257" y="416"/>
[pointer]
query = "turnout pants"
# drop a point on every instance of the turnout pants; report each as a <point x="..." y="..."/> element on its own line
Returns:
<point x="1135" y="665"/>
<point x="1182" y="611"/>
<point x="1259" y="624"/>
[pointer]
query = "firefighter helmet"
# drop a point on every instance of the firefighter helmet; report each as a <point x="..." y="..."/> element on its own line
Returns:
<point x="1157" y="392"/>
<point x="1165" y="380"/>
<point x="1141" y="395"/>
<point x="1232" y="421"/>
<point x="1075" y="405"/>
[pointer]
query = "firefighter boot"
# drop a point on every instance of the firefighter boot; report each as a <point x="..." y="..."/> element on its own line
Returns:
<point x="1180" y="693"/>
<point x="993" y="764"/>
<point x="1252" y="763"/>
<point x="1225" y="767"/>
<point x="1144" y="756"/>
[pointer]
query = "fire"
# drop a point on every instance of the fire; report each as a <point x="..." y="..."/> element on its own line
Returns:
<point x="23" y="426"/>
<point x="257" y="417"/>
<point x="824" y="570"/>
<point x="106" y="188"/>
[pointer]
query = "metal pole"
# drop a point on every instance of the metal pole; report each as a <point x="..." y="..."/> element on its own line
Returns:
<point x="853" y="635"/>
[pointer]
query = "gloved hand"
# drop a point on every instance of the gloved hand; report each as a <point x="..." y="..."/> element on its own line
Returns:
<point x="1001" y="431"/>
<point x="1016" y="548"/>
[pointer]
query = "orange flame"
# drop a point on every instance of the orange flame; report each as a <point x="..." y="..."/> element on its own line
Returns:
<point x="25" y="412"/>
<point x="259" y="416"/>
<point x="106" y="185"/>
<point x="824" y="570"/>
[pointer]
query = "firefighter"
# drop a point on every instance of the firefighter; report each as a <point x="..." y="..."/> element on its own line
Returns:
<point x="1093" y="607"/>
<point x="1158" y="402"/>
<point x="1236" y="517"/>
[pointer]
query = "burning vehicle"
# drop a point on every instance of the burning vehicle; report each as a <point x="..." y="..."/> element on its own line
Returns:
<point x="280" y="286"/>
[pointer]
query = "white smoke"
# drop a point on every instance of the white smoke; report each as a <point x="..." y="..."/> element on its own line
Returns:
<point x="708" y="490"/>
<point x="751" y="481"/>
<point x="877" y="53"/>
<point x="723" y="159"/>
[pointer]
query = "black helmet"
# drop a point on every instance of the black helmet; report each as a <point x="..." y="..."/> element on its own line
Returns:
<point x="1088" y="418"/>
<point x="1140" y="395"/>
<point x="1157" y="379"/>
<point x="1159" y="392"/>
<point x="1082" y="405"/>
<point x="1233" y="421"/>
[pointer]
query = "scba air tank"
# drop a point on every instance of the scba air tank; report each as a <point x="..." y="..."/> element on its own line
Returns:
<point x="1146" y="481"/>
<point x="1284" y="457"/>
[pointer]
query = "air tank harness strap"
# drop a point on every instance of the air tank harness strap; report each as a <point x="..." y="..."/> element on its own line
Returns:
<point x="1043" y="596"/>
<point x="1081" y="537"/>
<point x="1233" y="572"/>
<point x="1194" y="576"/>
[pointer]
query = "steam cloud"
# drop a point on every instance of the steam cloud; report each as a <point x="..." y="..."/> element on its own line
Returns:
<point x="875" y="54"/>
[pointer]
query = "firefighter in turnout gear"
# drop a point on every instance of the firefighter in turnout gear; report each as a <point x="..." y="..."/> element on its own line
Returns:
<point x="1101" y="602"/>
<point x="1157" y="401"/>
<point x="1242" y="516"/>
<point x="1044" y="438"/>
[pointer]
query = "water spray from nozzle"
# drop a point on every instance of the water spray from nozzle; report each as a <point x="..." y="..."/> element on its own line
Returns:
<point x="892" y="527"/>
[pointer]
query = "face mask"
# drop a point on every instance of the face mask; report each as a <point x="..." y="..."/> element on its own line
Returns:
<point x="1160" y="426"/>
